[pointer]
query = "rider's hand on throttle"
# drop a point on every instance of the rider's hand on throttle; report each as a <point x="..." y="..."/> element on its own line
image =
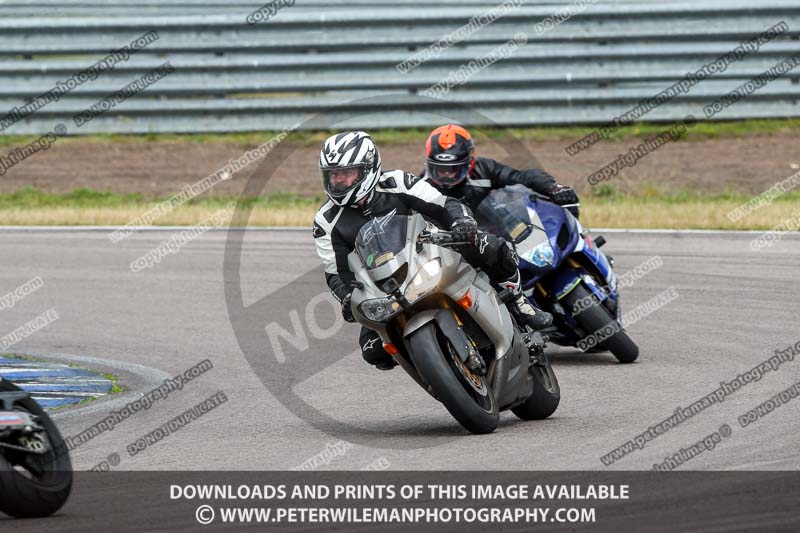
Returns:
<point x="464" y="229"/>
<point x="564" y="195"/>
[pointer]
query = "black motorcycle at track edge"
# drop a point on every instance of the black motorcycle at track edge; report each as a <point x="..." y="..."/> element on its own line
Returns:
<point x="35" y="468"/>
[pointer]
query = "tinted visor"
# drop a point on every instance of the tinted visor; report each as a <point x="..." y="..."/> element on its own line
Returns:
<point x="338" y="181"/>
<point x="448" y="175"/>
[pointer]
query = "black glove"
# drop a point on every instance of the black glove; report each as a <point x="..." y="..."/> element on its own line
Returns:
<point x="347" y="310"/>
<point x="565" y="195"/>
<point x="464" y="229"/>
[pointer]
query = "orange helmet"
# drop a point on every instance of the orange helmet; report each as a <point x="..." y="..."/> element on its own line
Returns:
<point x="451" y="155"/>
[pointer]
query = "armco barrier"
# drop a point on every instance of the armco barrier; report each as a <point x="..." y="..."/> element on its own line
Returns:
<point x="234" y="76"/>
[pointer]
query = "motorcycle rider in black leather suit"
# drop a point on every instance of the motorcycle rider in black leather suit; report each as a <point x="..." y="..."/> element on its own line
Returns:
<point x="359" y="190"/>
<point x="453" y="170"/>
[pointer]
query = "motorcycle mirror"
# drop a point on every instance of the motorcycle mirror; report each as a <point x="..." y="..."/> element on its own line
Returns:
<point x="390" y="286"/>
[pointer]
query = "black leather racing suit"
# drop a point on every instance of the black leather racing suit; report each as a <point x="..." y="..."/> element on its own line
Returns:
<point x="336" y="228"/>
<point x="489" y="174"/>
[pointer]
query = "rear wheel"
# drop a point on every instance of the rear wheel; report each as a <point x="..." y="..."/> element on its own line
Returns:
<point x="596" y="319"/>
<point x="546" y="395"/>
<point x="34" y="485"/>
<point x="466" y="395"/>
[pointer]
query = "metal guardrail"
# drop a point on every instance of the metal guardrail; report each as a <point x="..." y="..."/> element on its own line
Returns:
<point x="325" y="57"/>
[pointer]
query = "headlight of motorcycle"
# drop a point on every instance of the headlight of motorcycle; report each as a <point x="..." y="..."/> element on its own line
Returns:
<point x="542" y="255"/>
<point x="425" y="280"/>
<point x="379" y="309"/>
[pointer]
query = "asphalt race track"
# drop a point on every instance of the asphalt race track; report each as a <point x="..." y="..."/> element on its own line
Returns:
<point x="734" y="308"/>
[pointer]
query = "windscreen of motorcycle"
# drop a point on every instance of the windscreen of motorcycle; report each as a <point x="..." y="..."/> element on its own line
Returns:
<point x="535" y="238"/>
<point x="381" y="242"/>
<point x="505" y="213"/>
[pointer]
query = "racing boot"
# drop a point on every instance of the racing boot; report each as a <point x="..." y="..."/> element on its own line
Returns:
<point x="525" y="312"/>
<point x="372" y="350"/>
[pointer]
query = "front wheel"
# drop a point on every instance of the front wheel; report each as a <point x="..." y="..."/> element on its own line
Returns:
<point x="33" y="485"/>
<point x="597" y="320"/>
<point x="464" y="394"/>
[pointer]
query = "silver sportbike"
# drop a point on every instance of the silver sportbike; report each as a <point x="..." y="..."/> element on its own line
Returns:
<point x="446" y="325"/>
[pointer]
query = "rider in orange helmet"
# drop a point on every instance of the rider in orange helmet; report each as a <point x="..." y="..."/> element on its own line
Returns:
<point x="454" y="170"/>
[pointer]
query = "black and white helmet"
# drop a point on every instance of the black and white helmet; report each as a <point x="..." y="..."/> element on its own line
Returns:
<point x="350" y="166"/>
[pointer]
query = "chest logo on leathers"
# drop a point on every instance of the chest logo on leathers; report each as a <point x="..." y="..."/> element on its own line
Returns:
<point x="410" y="180"/>
<point x="483" y="243"/>
<point x="377" y="226"/>
<point x="317" y="231"/>
<point x="382" y="221"/>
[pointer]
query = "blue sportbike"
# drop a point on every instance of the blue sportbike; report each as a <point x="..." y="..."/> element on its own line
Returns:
<point x="563" y="270"/>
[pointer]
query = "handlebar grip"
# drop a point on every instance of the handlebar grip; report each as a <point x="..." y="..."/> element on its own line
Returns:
<point x="539" y="195"/>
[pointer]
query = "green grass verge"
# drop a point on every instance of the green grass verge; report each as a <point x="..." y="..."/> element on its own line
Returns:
<point x="649" y="206"/>
<point x="31" y="197"/>
<point x="116" y="388"/>
<point x="702" y="130"/>
<point x="651" y="192"/>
